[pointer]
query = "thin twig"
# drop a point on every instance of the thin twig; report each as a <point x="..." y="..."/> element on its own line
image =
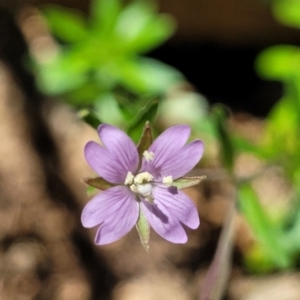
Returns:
<point x="218" y="273"/>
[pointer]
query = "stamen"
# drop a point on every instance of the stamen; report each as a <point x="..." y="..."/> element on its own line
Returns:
<point x="143" y="178"/>
<point x="129" y="178"/>
<point x="167" y="180"/>
<point x="149" y="155"/>
<point x="140" y="184"/>
<point x="134" y="188"/>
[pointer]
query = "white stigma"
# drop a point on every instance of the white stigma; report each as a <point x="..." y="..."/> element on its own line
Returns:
<point x="142" y="189"/>
<point x="129" y="178"/>
<point x="149" y="155"/>
<point x="140" y="184"/>
<point x="167" y="180"/>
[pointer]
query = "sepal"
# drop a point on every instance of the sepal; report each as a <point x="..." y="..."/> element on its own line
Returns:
<point x="98" y="183"/>
<point x="145" y="140"/>
<point x="143" y="229"/>
<point x="185" y="182"/>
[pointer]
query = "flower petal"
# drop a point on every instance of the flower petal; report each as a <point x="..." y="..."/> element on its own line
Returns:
<point x="183" y="161"/>
<point x="115" y="210"/>
<point x="165" y="146"/>
<point x="118" y="156"/>
<point x="166" y="225"/>
<point x="119" y="144"/>
<point x="178" y="205"/>
<point x="104" y="163"/>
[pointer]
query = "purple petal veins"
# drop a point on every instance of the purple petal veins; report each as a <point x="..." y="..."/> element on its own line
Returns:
<point x="165" y="146"/>
<point x="178" y="205"/>
<point x="167" y="226"/>
<point x="118" y="156"/>
<point x="183" y="161"/>
<point x="120" y="146"/>
<point x="116" y="210"/>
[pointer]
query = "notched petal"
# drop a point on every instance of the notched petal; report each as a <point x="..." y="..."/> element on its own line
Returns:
<point x="164" y="224"/>
<point x="108" y="206"/>
<point x="178" y="205"/>
<point x="120" y="146"/>
<point x="183" y="161"/>
<point x="165" y="146"/>
<point x="104" y="163"/>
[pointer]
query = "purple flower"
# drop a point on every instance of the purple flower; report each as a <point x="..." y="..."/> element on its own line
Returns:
<point x="147" y="189"/>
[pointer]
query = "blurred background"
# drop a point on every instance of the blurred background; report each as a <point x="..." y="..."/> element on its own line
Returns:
<point x="230" y="70"/>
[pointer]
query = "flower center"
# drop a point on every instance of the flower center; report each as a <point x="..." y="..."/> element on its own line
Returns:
<point x="142" y="189"/>
<point x="140" y="184"/>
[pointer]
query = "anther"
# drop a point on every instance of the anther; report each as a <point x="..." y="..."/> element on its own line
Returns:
<point x="143" y="178"/>
<point x="129" y="178"/>
<point x="167" y="180"/>
<point x="149" y="155"/>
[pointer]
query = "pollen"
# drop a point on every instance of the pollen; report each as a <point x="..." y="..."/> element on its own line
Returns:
<point x="167" y="180"/>
<point x="149" y="155"/>
<point x="143" y="190"/>
<point x="143" y="178"/>
<point x="134" y="188"/>
<point x="129" y="178"/>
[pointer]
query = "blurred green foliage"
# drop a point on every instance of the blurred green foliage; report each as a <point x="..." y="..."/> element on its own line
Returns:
<point x="279" y="146"/>
<point x="287" y="12"/>
<point x="278" y="237"/>
<point x="100" y="66"/>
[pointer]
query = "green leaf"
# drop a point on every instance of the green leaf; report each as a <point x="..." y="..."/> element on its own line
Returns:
<point x="185" y="182"/>
<point x="66" y="71"/>
<point x="85" y="94"/>
<point x="145" y="75"/>
<point x="292" y="222"/>
<point x="287" y="12"/>
<point x="141" y="28"/>
<point x="227" y="150"/>
<point x="98" y="182"/>
<point x="278" y="62"/>
<point x="54" y="80"/>
<point x="89" y="117"/>
<point x="104" y="15"/>
<point x="66" y="24"/>
<point x="242" y="145"/>
<point x="268" y="235"/>
<point x="143" y="229"/>
<point x="147" y="113"/>
<point x="128" y="102"/>
<point x="258" y="261"/>
<point x="281" y="135"/>
<point x="107" y="110"/>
